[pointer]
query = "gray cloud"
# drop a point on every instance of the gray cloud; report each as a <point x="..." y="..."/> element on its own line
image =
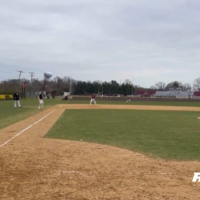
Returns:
<point x="146" y="41"/>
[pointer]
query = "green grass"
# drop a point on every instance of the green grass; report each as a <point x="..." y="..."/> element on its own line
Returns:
<point x="10" y="115"/>
<point x="164" y="134"/>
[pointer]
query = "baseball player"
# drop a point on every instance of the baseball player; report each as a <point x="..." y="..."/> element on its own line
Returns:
<point x="16" y="99"/>
<point x="41" y="101"/>
<point x="93" y="99"/>
<point x="128" y="99"/>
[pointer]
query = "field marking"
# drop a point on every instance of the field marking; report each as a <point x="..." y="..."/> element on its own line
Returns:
<point x="25" y="129"/>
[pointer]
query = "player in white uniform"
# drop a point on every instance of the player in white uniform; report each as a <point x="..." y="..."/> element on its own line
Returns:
<point x="128" y="99"/>
<point x="93" y="99"/>
<point x="41" y="101"/>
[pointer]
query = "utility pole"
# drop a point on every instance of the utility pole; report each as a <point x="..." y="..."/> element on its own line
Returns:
<point x="132" y="86"/>
<point x="31" y="74"/>
<point x="20" y="72"/>
<point x="70" y="89"/>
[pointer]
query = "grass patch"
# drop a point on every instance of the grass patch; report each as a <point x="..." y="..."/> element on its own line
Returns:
<point x="164" y="134"/>
<point x="10" y="115"/>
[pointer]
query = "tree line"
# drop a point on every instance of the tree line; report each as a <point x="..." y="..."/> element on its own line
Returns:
<point x="177" y="84"/>
<point x="106" y="88"/>
<point x="174" y="84"/>
<point x="59" y="85"/>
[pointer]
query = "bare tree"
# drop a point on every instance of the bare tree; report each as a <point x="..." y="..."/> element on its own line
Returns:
<point x="127" y="81"/>
<point x="153" y="87"/>
<point x="196" y="84"/>
<point x="36" y="85"/>
<point x="160" y="85"/>
<point x="138" y="87"/>
<point x="187" y="87"/>
<point x="59" y="82"/>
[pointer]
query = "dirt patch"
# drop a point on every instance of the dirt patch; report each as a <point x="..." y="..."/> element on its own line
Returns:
<point x="32" y="167"/>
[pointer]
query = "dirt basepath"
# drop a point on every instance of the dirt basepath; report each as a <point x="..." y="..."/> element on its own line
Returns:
<point x="128" y="107"/>
<point x="35" y="168"/>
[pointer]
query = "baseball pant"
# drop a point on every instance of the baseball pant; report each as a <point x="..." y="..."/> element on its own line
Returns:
<point x="41" y="104"/>
<point x="17" y="102"/>
<point x="92" y="100"/>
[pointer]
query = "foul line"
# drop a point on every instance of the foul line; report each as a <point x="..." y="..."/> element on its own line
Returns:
<point x="25" y="130"/>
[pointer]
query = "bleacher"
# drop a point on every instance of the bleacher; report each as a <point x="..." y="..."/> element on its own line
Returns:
<point x="196" y="94"/>
<point x="149" y="93"/>
<point x="174" y="93"/>
<point x="140" y="93"/>
<point x="183" y="94"/>
<point x="161" y="94"/>
<point x="144" y="93"/>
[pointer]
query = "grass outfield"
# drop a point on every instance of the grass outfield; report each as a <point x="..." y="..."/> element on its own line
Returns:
<point x="164" y="134"/>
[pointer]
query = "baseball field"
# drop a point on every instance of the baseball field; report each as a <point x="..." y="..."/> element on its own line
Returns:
<point x="113" y="150"/>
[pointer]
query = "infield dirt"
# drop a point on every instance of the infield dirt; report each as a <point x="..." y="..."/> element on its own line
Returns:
<point x="33" y="167"/>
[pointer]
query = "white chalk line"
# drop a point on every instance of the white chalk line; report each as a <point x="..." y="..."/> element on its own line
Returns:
<point x="25" y="129"/>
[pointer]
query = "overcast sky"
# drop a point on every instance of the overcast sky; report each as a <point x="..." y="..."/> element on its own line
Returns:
<point x="141" y="40"/>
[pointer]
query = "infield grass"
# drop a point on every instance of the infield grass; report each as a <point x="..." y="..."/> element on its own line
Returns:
<point x="163" y="134"/>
